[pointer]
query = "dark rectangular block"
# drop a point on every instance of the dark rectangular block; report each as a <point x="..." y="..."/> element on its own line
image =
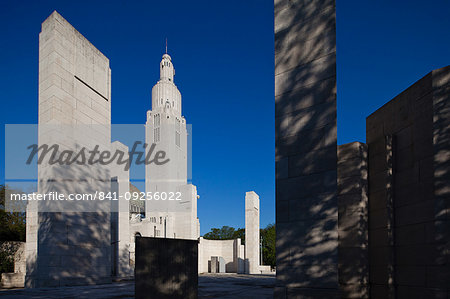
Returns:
<point x="306" y="186"/>
<point x="416" y="255"/>
<point x="415" y="213"/>
<point x="313" y="162"/>
<point x="377" y="200"/>
<point x="407" y="176"/>
<point x="302" y="120"/>
<point x="404" y="138"/>
<point x="437" y="276"/>
<point x="356" y="236"/>
<point x="379" y="256"/>
<point x="282" y="211"/>
<point x="166" y="268"/>
<point x="352" y="202"/>
<point x="411" y="275"/>
<point x="410" y="234"/>
<point x="298" y="10"/>
<point x="318" y="70"/>
<point x="377" y="181"/>
<point x="305" y="97"/>
<point x="378" y="219"/>
<point x="306" y="276"/>
<point x="378" y="238"/>
<point x="378" y="275"/>
<point x="306" y="141"/>
<point x="414" y="292"/>
<point x="293" y="48"/>
<point x="404" y="158"/>
<point x="348" y="185"/>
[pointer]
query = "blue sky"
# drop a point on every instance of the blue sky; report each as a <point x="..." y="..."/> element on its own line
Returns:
<point x="223" y="55"/>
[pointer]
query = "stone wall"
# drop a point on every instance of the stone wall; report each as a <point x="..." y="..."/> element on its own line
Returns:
<point x="353" y="220"/>
<point x="305" y="148"/>
<point x="14" y="279"/>
<point x="228" y="249"/>
<point x="409" y="169"/>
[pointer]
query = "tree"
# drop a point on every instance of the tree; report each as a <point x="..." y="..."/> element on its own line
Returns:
<point x="12" y="228"/>
<point x="240" y="233"/>
<point x="224" y="233"/>
<point x="12" y="224"/>
<point x="268" y="235"/>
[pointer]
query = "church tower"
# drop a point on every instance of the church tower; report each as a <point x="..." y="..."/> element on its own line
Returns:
<point x="165" y="129"/>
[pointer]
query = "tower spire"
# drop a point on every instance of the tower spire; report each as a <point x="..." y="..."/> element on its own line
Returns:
<point x="166" y="45"/>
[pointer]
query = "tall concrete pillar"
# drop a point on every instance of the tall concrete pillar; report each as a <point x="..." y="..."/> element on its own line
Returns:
<point x="305" y="148"/>
<point x="251" y="233"/>
<point x="70" y="240"/>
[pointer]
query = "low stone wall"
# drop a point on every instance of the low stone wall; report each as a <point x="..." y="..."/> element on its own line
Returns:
<point x="16" y="279"/>
<point x="265" y="269"/>
<point x="229" y="250"/>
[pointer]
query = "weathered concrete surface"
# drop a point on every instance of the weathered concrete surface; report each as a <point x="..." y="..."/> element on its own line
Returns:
<point x="166" y="268"/>
<point x="409" y="179"/>
<point x="69" y="243"/>
<point x="306" y="148"/>
<point x="353" y="220"/>
<point x="210" y="286"/>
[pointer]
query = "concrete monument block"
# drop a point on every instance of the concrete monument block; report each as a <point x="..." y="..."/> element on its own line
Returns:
<point x="408" y="143"/>
<point x="252" y="233"/>
<point x="166" y="268"/>
<point x="239" y="252"/>
<point x="214" y="264"/>
<point x="69" y="243"/>
<point x="353" y="220"/>
<point x="305" y="148"/>
<point x="221" y="265"/>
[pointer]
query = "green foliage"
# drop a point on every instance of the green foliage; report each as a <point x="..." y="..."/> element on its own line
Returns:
<point x="6" y="261"/>
<point x="224" y="233"/>
<point x="12" y="224"/>
<point x="268" y="236"/>
<point x="240" y="233"/>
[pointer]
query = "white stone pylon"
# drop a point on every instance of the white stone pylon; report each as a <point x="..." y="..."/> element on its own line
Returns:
<point x="251" y="233"/>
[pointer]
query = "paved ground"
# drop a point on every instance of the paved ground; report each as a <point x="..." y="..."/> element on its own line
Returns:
<point x="235" y="286"/>
<point x="210" y="286"/>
